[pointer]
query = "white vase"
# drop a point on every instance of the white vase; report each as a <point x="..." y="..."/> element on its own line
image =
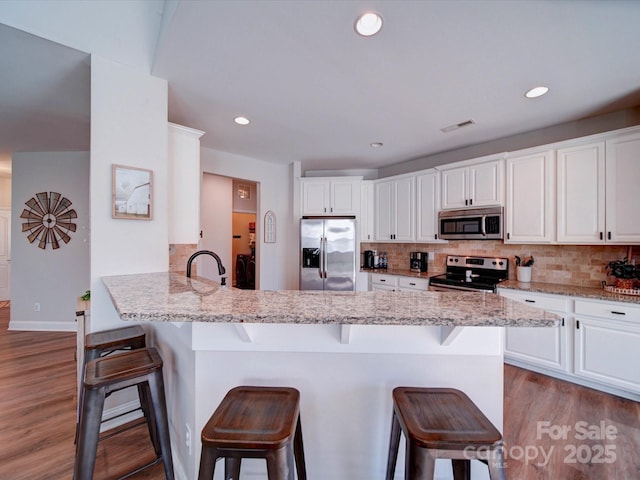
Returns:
<point x="524" y="274"/>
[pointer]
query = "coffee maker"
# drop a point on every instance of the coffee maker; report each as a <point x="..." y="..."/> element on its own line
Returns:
<point x="418" y="261"/>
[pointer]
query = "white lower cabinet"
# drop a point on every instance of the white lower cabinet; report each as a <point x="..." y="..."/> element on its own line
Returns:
<point x="397" y="283"/>
<point x="607" y="344"/>
<point x="546" y="347"/>
<point x="596" y="345"/>
<point x="383" y="282"/>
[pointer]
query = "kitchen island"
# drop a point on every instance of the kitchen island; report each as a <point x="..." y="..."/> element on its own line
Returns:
<point x="344" y="351"/>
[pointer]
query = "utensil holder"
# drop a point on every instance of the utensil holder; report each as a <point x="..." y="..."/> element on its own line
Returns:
<point x="523" y="274"/>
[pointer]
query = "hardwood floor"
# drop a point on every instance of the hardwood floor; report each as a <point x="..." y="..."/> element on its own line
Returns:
<point x="38" y="413"/>
<point x="38" y="401"/>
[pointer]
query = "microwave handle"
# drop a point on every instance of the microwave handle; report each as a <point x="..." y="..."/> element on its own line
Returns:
<point x="484" y="225"/>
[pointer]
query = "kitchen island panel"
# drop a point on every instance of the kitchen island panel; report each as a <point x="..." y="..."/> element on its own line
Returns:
<point x="346" y="401"/>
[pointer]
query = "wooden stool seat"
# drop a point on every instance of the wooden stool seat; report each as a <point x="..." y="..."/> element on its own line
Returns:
<point x="442" y="423"/>
<point x="115" y="339"/>
<point x="255" y="422"/>
<point x="141" y="367"/>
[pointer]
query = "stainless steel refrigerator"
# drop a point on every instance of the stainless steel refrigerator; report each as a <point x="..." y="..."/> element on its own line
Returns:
<point x="328" y="253"/>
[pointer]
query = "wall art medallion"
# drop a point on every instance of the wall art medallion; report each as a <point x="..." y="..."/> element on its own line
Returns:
<point x="49" y="219"/>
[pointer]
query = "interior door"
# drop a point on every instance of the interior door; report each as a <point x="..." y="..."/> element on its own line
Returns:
<point x="5" y="253"/>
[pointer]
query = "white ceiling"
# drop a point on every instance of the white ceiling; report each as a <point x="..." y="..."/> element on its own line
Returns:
<point x="320" y="94"/>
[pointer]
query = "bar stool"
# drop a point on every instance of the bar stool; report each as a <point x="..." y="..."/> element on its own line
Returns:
<point x="106" y="342"/>
<point x="442" y="423"/>
<point x="255" y="422"/>
<point x="141" y="367"/>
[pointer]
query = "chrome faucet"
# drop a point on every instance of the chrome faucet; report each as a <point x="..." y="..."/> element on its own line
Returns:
<point x="221" y="269"/>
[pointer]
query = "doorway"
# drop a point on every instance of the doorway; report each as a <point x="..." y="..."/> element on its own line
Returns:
<point x="230" y="228"/>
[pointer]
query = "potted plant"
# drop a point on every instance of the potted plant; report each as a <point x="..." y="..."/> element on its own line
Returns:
<point x="625" y="273"/>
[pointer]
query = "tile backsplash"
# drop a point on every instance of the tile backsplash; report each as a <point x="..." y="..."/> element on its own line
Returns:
<point x="179" y="255"/>
<point x="581" y="265"/>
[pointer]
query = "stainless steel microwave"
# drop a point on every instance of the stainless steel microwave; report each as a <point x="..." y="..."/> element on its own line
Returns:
<point x="471" y="224"/>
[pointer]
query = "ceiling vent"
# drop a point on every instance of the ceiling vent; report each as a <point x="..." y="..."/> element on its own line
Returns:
<point x="450" y="128"/>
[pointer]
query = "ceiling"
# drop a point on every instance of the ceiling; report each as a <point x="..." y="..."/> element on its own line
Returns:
<point x="317" y="93"/>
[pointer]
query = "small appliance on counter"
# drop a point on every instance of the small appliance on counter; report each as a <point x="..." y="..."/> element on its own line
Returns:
<point x="368" y="259"/>
<point x="418" y="261"/>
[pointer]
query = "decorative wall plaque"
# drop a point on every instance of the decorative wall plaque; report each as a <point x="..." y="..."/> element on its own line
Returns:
<point x="48" y="219"/>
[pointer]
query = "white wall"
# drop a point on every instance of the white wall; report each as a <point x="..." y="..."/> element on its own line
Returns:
<point x="277" y="267"/>
<point x="52" y="278"/>
<point x="128" y="127"/>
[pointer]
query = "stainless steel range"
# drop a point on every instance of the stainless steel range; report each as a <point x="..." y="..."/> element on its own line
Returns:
<point x="471" y="274"/>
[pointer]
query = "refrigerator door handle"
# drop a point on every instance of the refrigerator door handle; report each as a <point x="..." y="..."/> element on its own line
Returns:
<point x="324" y="257"/>
<point x="321" y="260"/>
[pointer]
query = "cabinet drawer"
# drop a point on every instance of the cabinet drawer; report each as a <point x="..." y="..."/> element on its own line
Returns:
<point x="381" y="279"/>
<point x="414" y="283"/>
<point x="559" y="304"/>
<point x="617" y="311"/>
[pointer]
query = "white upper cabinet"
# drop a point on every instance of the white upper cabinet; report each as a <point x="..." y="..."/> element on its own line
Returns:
<point x="427" y="206"/>
<point x="529" y="210"/>
<point x="394" y="201"/>
<point x="581" y="194"/>
<point x="622" y="185"/>
<point x="475" y="185"/>
<point x="330" y="196"/>
<point x="366" y="211"/>
<point x="184" y="178"/>
<point x="596" y="185"/>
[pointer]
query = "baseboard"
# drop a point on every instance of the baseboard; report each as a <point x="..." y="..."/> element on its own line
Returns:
<point x="567" y="377"/>
<point x="119" y="415"/>
<point x="16" y="325"/>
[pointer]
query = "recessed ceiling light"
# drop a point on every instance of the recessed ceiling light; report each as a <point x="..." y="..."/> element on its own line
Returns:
<point x="241" y="120"/>
<point x="536" y="92"/>
<point x="368" y="24"/>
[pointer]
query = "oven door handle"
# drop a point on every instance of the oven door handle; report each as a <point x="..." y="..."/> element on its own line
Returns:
<point x="484" y="225"/>
<point x="444" y="288"/>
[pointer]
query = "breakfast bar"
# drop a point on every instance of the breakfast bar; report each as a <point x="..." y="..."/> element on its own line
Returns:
<point x="344" y="351"/>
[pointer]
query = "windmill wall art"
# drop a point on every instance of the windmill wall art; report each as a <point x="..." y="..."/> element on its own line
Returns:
<point x="49" y="219"/>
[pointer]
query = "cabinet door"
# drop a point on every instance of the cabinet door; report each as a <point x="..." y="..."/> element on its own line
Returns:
<point x="366" y="212"/>
<point x="427" y="206"/>
<point x="623" y="181"/>
<point x="404" y="210"/>
<point x="454" y="188"/>
<point x="544" y="347"/>
<point x="530" y="186"/>
<point x="580" y="195"/>
<point x="607" y="351"/>
<point x="315" y="197"/>
<point x="486" y="184"/>
<point x="184" y="180"/>
<point x="344" y="197"/>
<point x="382" y="202"/>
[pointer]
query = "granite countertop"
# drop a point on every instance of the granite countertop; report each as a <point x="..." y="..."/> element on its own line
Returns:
<point x="172" y="297"/>
<point x="569" y="290"/>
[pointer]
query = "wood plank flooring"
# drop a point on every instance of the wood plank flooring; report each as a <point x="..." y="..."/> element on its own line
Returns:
<point x="38" y="401"/>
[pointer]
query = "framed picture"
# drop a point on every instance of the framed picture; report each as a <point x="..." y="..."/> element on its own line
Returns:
<point x="132" y="193"/>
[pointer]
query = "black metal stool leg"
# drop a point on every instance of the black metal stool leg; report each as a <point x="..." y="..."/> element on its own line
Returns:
<point x="461" y="469"/>
<point x="208" y="457"/>
<point x="156" y="385"/>
<point x="298" y="450"/>
<point x="232" y="468"/>
<point x="88" y="433"/>
<point x="394" y="444"/>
